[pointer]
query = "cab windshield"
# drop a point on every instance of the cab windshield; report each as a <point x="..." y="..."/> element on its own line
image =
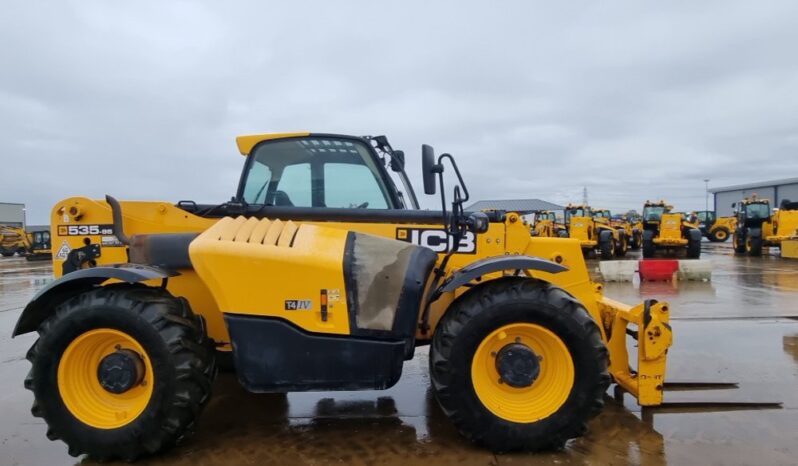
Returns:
<point x="653" y="213"/>
<point x="576" y="212"/>
<point x="759" y="210"/>
<point x="315" y="171"/>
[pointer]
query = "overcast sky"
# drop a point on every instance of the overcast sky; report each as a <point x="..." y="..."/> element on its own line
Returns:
<point x="633" y="100"/>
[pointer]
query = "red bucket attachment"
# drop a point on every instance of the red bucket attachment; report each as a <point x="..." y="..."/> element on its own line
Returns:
<point x="657" y="269"/>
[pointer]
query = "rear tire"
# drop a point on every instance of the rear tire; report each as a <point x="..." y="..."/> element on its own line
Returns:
<point x="719" y="236"/>
<point x="649" y="249"/>
<point x="177" y="362"/>
<point x="458" y="378"/>
<point x="753" y="242"/>
<point x="607" y="245"/>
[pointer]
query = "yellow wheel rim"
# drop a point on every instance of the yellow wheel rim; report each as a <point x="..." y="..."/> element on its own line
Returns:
<point x="545" y="395"/>
<point x="80" y="387"/>
<point x="748" y="244"/>
<point x="720" y="234"/>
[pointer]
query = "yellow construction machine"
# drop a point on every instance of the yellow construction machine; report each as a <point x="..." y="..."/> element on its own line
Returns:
<point x="632" y="234"/>
<point x="758" y="227"/>
<point x="594" y="235"/>
<point x="12" y="241"/>
<point x="321" y="273"/>
<point x="714" y="228"/>
<point x="33" y="245"/>
<point x="545" y="225"/>
<point x="669" y="231"/>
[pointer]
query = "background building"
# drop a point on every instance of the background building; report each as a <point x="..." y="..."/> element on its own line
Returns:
<point x="12" y="214"/>
<point x="776" y="191"/>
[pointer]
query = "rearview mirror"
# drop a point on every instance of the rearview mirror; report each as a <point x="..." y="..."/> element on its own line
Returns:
<point x="428" y="168"/>
<point x="398" y="160"/>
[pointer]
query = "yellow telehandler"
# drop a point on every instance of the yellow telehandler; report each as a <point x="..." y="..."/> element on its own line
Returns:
<point x="714" y="228"/>
<point x="12" y="241"/>
<point x="594" y="234"/>
<point x="758" y="228"/>
<point x="33" y="245"/>
<point x="321" y="273"/>
<point x="545" y="225"/>
<point x="632" y="234"/>
<point x="669" y="231"/>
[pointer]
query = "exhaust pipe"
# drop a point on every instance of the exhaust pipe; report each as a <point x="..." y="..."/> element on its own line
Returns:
<point x="116" y="211"/>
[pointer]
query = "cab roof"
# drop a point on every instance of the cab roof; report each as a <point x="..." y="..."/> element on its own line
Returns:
<point x="247" y="142"/>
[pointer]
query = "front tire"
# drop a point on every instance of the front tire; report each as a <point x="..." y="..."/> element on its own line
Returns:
<point x="738" y="242"/>
<point x="607" y="245"/>
<point x="501" y="410"/>
<point x="637" y="240"/>
<point x="623" y="244"/>
<point x="120" y="371"/>
<point x="694" y="244"/>
<point x="649" y="248"/>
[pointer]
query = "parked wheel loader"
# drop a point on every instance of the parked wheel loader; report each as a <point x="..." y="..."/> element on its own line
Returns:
<point x="668" y="231"/>
<point x="758" y="228"/>
<point x="593" y="235"/>
<point x="321" y="273"/>
<point x="714" y="228"/>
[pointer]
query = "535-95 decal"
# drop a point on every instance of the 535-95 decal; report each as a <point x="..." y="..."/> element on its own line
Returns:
<point x="84" y="230"/>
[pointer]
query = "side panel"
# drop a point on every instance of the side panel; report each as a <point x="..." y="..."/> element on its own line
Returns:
<point x="273" y="356"/>
<point x="298" y="278"/>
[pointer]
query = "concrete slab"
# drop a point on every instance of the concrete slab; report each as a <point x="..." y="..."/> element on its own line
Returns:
<point x="697" y="270"/>
<point x="618" y="271"/>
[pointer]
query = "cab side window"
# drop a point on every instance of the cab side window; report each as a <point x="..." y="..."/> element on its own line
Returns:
<point x="349" y="185"/>
<point x="294" y="187"/>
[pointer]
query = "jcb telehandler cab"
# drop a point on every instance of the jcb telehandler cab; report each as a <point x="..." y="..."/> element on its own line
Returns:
<point x="593" y="235"/>
<point x="757" y="227"/>
<point x="664" y="229"/>
<point x="315" y="276"/>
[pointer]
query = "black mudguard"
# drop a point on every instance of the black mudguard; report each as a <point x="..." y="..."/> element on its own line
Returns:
<point x="40" y="307"/>
<point x="495" y="264"/>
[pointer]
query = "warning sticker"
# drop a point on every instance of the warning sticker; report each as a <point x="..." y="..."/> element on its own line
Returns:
<point x="111" y="241"/>
<point x="63" y="251"/>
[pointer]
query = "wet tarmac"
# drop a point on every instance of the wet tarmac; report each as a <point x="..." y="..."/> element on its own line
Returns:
<point x="742" y="326"/>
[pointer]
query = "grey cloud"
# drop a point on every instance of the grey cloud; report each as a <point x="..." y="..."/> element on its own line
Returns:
<point x="536" y="99"/>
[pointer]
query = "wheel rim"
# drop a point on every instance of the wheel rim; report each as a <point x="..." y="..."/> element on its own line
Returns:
<point x="79" y="383"/>
<point x="549" y="390"/>
<point x="721" y="235"/>
<point x="748" y="244"/>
